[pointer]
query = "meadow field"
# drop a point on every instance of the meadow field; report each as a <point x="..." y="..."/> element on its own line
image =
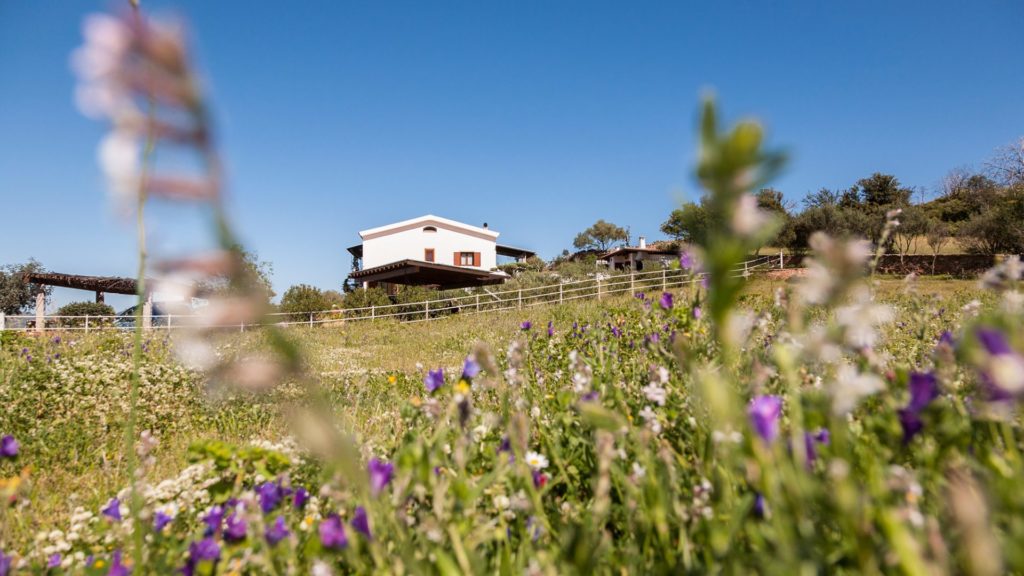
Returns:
<point x="586" y="437"/>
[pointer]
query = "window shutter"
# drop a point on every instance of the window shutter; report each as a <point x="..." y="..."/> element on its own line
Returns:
<point x="476" y="259"/>
<point x="455" y="259"/>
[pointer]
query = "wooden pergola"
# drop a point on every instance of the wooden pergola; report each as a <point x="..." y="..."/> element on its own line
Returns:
<point x="99" y="284"/>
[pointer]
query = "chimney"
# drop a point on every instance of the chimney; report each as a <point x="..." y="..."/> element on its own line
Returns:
<point x="485" y="225"/>
<point x="643" y="242"/>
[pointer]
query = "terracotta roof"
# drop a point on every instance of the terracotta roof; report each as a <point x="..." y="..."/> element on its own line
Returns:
<point x="420" y="273"/>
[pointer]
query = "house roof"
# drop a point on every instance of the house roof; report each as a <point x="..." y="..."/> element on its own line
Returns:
<point x="420" y="273"/>
<point x="505" y="250"/>
<point x="426" y="220"/>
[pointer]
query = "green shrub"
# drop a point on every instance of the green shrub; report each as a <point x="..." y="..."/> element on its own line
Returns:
<point x="100" y="314"/>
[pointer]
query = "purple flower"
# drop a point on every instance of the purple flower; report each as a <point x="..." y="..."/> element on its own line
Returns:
<point x="205" y="550"/>
<point x="116" y="567"/>
<point x="764" y="415"/>
<point x="52" y="562"/>
<point x="759" y="506"/>
<point x="361" y="522"/>
<point x="8" y="447"/>
<point x="270" y="494"/>
<point x="526" y="325"/>
<point x="112" y="510"/>
<point x="56" y="340"/>
<point x="811" y="440"/>
<point x="470" y="368"/>
<point x="686" y="260"/>
<point x="666" y="300"/>
<point x="160" y="520"/>
<point x="235" y="528"/>
<point x="533" y="528"/>
<point x="591" y="396"/>
<point x="616" y="331"/>
<point x="697" y="313"/>
<point x="911" y="423"/>
<point x="213" y="519"/>
<point x="946" y="338"/>
<point x="434" y="379"/>
<point x="300" y="498"/>
<point x="278" y="531"/>
<point x="5" y="563"/>
<point x="924" y="387"/>
<point x="994" y="341"/>
<point x="381" y="473"/>
<point x="505" y="445"/>
<point x="332" y="533"/>
<point x="540" y="479"/>
<point x="551" y="328"/>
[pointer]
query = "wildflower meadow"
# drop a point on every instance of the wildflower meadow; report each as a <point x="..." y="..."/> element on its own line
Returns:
<point x="837" y="422"/>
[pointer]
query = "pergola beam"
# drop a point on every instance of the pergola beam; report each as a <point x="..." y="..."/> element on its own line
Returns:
<point x="97" y="284"/>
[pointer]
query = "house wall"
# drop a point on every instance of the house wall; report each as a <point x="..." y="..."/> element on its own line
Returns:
<point x="411" y="244"/>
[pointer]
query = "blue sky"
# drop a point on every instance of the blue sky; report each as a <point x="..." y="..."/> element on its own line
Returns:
<point x="537" y="117"/>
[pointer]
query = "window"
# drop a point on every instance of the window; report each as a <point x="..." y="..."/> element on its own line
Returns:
<point x="428" y="254"/>
<point x="429" y="229"/>
<point x="465" y="259"/>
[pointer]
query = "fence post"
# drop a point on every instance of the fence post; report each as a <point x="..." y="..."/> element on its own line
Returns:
<point x="598" y="287"/>
<point x="745" y="274"/>
<point x="86" y="323"/>
<point x="3" y="322"/>
<point x="478" y="302"/>
<point x="310" y="319"/>
<point x="40" y="312"/>
<point x="373" y="311"/>
<point x="426" y="309"/>
<point x="147" y="314"/>
<point x="241" y="326"/>
<point x="520" y="298"/>
<point x="781" y="264"/>
<point x="632" y="281"/>
<point x="664" y="279"/>
<point x="560" y="285"/>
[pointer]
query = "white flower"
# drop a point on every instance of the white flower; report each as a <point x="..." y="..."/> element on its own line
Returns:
<point x="321" y="568"/>
<point x="850" y="386"/>
<point x="651" y="418"/>
<point x="655" y="393"/>
<point x="502" y="502"/>
<point x="748" y="218"/>
<point x="638" y="471"/>
<point x="536" y="460"/>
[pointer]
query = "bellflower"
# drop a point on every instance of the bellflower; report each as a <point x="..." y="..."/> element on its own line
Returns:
<point x="113" y="510"/>
<point x="1003" y="372"/>
<point x="526" y="325"/>
<point x="764" y="412"/>
<point x="470" y="368"/>
<point x="5" y="563"/>
<point x="117" y="568"/>
<point x="551" y="328"/>
<point x="666" y="300"/>
<point x="278" y="531"/>
<point x="697" y="313"/>
<point x="205" y="550"/>
<point x="270" y="494"/>
<point x="300" y="498"/>
<point x="52" y="562"/>
<point x="361" y="522"/>
<point x="213" y="519"/>
<point x="924" y="387"/>
<point x="332" y="533"/>
<point x="235" y="528"/>
<point x="160" y="520"/>
<point x="8" y="447"/>
<point x="434" y="380"/>
<point x="381" y="473"/>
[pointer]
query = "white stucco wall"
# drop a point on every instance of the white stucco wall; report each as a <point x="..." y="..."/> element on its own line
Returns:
<point x="411" y="243"/>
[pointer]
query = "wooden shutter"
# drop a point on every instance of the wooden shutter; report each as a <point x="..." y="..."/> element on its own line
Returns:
<point x="476" y="259"/>
<point x="456" y="259"/>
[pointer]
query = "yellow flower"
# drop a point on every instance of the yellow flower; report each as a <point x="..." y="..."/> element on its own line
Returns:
<point x="462" y="387"/>
<point x="392" y="379"/>
<point x="416" y="401"/>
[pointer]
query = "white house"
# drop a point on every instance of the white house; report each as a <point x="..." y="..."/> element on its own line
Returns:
<point x="637" y="257"/>
<point x="430" y="250"/>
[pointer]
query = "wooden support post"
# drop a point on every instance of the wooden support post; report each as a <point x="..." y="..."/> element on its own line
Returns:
<point x="477" y="302"/>
<point x="598" y="288"/>
<point x="3" y="322"/>
<point x="664" y="279"/>
<point x="632" y="281"/>
<point x="99" y="297"/>
<point x="147" y="314"/>
<point x="520" y="298"/>
<point x="560" y="291"/>
<point x="426" y="309"/>
<point x="310" y="319"/>
<point x="40" y="312"/>
<point x="781" y="261"/>
<point x="373" y="311"/>
<point x="86" y="323"/>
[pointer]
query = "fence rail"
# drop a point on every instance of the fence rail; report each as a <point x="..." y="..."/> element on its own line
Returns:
<point x="600" y="286"/>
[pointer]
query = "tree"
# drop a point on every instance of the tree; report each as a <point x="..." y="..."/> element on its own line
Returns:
<point x="913" y="224"/>
<point x="301" y="300"/>
<point x="999" y="229"/>
<point x="821" y="198"/>
<point x="103" y="314"/>
<point x="601" y="236"/>
<point x="254" y="276"/>
<point x="883" y="190"/>
<point x="17" y="296"/>
<point x="937" y="237"/>
<point x="1007" y="166"/>
<point x="688" y="223"/>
